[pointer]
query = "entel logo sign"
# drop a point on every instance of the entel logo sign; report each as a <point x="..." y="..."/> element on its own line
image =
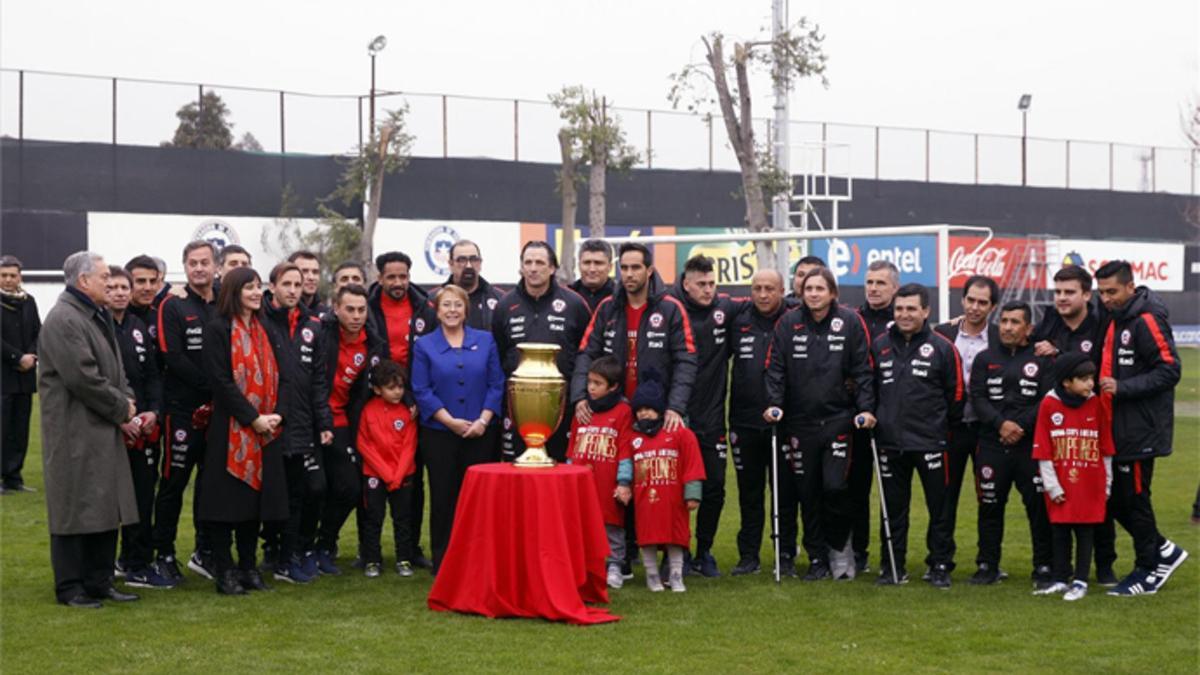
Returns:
<point x="847" y="258"/>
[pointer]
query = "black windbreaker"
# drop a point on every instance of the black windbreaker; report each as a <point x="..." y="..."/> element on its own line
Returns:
<point x="484" y="300"/>
<point x="810" y="363"/>
<point x="664" y="343"/>
<point x="1008" y="385"/>
<point x="593" y="298"/>
<point x="1086" y="338"/>
<point x="139" y="356"/>
<point x="558" y="317"/>
<point x="710" y="328"/>
<point x="181" y="323"/>
<point x="306" y="411"/>
<point x="918" y="389"/>
<point x="360" y="391"/>
<point x="878" y="320"/>
<point x="750" y="341"/>
<point x="1139" y="352"/>
<point x="423" y="320"/>
<point x="19" y="326"/>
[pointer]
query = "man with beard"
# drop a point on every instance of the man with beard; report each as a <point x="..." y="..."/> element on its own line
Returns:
<point x="1075" y="326"/>
<point x="466" y="267"/>
<point x="309" y="426"/>
<point x="1007" y="384"/>
<point x="750" y="332"/>
<point x="310" y="273"/>
<point x="538" y="310"/>
<point x="1139" y="369"/>
<point x="20" y="324"/>
<point x="919" y="397"/>
<point x="181" y="322"/>
<point x="595" y="263"/>
<point x="971" y="336"/>
<point x="710" y="314"/>
<point x="881" y="283"/>
<point x="815" y="350"/>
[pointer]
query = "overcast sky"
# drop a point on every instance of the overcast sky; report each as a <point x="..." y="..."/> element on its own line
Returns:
<point x="1097" y="70"/>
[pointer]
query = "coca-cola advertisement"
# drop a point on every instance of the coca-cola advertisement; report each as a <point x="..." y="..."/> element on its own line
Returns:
<point x="1005" y="259"/>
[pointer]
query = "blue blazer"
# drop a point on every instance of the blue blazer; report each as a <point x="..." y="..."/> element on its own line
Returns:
<point x="464" y="381"/>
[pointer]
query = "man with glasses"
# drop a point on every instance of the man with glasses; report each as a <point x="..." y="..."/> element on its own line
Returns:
<point x="466" y="264"/>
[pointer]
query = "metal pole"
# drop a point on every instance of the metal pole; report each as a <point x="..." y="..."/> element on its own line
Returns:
<point x="780" y="150"/>
<point x="114" y="111"/>
<point x="710" y="143"/>
<point x="516" y="131"/>
<point x="360" y="129"/>
<point x="876" y="153"/>
<point x="200" y="107"/>
<point x="1193" y="179"/>
<point x="282" y="128"/>
<point x="926" y="155"/>
<point x="1110" y="166"/>
<point x="1153" y="169"/>
<point x="649" y="144"/>
<point x="445" y="128"/>
<point x="1024" y="129"/>
<point x="1068" y="171"/>
<point x="943" y="266"/>
<point x="21" y="105"/>
<point x="977" y="159"/>
<point x="371" y="130"/>
<point x="824" y="149"/>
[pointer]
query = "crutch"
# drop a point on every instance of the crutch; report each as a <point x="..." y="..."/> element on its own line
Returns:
<point x="887" y="523"/>
<point x="775" y="492"/>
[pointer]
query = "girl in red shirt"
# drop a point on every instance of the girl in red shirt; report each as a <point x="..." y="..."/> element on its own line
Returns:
<point x="1073" y="445"/>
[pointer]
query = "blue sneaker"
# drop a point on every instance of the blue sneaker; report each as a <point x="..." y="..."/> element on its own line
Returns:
<point x="706" y="566"/>
<point x="148" y="577"/>
<point x="308" y="565"/>
<point x="325" y="563"/>
<point x="292" y="572"/>
<point x="1139" y="582"/>
<point x="1170" y="557"/>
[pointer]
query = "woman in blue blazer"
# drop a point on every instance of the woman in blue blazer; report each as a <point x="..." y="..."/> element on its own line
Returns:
<point x="458" y="384"/>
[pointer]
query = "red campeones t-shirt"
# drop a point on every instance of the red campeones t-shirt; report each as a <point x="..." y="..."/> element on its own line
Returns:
<point x="1077" y="440"/>
<point x="661" y="465"/>
<point x="633" y="319"/>
<point x="352" y="358"/>
<point x="598" y="446"/>
<point x="397" y="314"/>
<point x="387" y="441"/>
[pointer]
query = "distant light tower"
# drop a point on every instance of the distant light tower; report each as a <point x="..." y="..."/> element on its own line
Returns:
<point x="1023" y="106"/>
<point x="374" y="48"/>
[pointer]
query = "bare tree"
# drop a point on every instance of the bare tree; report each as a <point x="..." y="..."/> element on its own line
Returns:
<point x="796" y="53"/>
<point x="567" y="179"/>
<point x="1191" y="129"/>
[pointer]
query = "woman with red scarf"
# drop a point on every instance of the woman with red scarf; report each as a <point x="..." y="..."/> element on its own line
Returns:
<point x="243" y="482"/>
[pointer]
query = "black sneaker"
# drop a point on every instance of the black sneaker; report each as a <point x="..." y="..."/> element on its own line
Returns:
<point x="986" y="575"/>
<point x="1042" y="578"/>
<point x="1105" y="577"/>
<point x="787" y="567"/>
<point x="746" y="566"/>
<point x="420" y="561"/>
<point x="818" y="570"/>
<point x="201" y="564"/>
<point x="885" y="578"/>
<point x="168" y="567"/>
<point x="230" y="583"/>
<point x="939" y="577"/>
<point x="148" y="577"/>
<point x="862" y="564"/>
<point x="626" y="570"/>
<point x="252" y="580"/>
<point x="928" y="575"/>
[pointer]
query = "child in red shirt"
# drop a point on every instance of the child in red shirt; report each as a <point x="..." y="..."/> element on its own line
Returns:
<point x="1073" y="445"/>
<point x="387" y="441"/>
<point x="597" y="445"/>
<point x="666" y="470"/>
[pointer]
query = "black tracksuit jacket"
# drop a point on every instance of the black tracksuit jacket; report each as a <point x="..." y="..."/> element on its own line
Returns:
<point x="139" y="356"/>
<point x="710" y="328"/>
<point x="306" y="411"/>
<point x="423" y="320"/>
<point x="593" y="298"/>
<point x="1008" y="385"/>
<point x="750" y="341"/>
<point x="19" y="324"/>
<point x="918" y="388"/>
<point x="558" y="317"/>
<point x="181" y="323"/>
<point x="1086" y="338"/>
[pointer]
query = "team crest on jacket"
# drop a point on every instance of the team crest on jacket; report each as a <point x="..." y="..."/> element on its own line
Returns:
<point x="1030" y="369"/>
<point x="719" y="317"/>
<point x="181" y="435"/>
<point x="1057" y="419"/>
<point x="1085" y="346"/>
<point x="987" y="472"/>
<point x="419" y="324"/>
<point x="306" y="334"/>
<point x="373" y="482"/>
<point x="491" y="303"/>
<point x="559" y="305"/>
<point x="398" y="425"/>
<point x="374" y="361"/>
<point x="507" y="423"/>
<point x="137" y="336"/>
<point x="359" y="359"/>
<point x="926" y="350"/>
<point x="637" y="443"/>
<point x="836" y="324"/>
<point x="656" y="320"/>
<point x="1126" y="336"/>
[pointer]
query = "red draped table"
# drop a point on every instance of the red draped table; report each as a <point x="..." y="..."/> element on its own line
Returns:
<point x="526" y="543"/>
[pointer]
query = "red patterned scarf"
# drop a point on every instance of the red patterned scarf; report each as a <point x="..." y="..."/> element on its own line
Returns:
<point x="257" y="376"/>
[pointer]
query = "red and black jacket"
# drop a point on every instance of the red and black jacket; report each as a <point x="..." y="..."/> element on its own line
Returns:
<point x="1008" y="385"/>
<point x="810" y="362"/>
<point x="181" y="323"/>
<point x="593" y="298"/>
<point x="360" y="391"/>
<point x="918" y="389"/>
<point x="750" y="335"/>
<point x="1086" y="338"/>
<point x="423" y="320"/>
<point x="558" y="317"/>
<point x="710" y="329"/>
<point x="878" y="320"/>
<point x="664" y="343"/>
<point x="1139" y="353"/>
<point x="139" y="356"/>
<point x="484" y="300"/>
<point x="306" y="409"/>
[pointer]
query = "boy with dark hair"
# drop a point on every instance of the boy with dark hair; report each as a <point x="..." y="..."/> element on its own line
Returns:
<point x="1073" y="446"/>
<point x="597" y="445"/>
<point x="387" y="441"/>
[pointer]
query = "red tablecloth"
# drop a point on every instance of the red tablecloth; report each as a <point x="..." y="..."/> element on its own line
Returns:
<point x="526" y="543"/>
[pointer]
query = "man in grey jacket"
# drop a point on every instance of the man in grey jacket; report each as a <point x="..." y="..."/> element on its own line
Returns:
<point x="84" y="402"/>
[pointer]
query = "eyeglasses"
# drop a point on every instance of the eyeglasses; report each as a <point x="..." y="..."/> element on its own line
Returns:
<point x="468" y="260"/>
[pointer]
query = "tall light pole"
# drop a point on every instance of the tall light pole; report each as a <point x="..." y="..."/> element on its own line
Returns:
<point x="780" y="220"/>
<point x="1023" y="106"/>
<point x="374" y="48"/>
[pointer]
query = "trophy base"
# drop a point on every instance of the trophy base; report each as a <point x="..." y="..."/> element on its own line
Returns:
<point x="534" y="458"/>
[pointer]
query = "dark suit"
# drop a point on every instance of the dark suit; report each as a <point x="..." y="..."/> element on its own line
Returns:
<point x="20" y="325"/>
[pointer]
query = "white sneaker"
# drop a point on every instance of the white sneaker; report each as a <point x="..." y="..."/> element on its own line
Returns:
<point x="676" y="582"/>
<point x="1076" y="592"/>
<point x="654" y="582"/>
<point x="1053" y="589"/>
<point x="615" y="580"/>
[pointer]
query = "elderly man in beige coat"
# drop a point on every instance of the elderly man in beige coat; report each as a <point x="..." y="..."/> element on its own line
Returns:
<point x="84" y="402"/>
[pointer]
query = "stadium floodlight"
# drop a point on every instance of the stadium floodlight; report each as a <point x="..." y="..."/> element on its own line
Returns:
<point x="377" y="45"/>
<point x="1023" y="106"/>
<point x="374" y="48"/>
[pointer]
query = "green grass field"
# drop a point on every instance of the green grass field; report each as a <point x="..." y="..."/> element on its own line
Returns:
<point x="747" y="624"/>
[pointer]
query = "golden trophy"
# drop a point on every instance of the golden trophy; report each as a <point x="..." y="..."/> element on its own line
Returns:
<point x="536" y="395"/>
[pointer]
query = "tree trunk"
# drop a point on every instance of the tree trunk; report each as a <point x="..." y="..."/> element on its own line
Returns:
<point x="366" y="247"/>
<point x="740" y="129"/>
<point x="570" y="200"/>
<point x="597" y="193"/>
